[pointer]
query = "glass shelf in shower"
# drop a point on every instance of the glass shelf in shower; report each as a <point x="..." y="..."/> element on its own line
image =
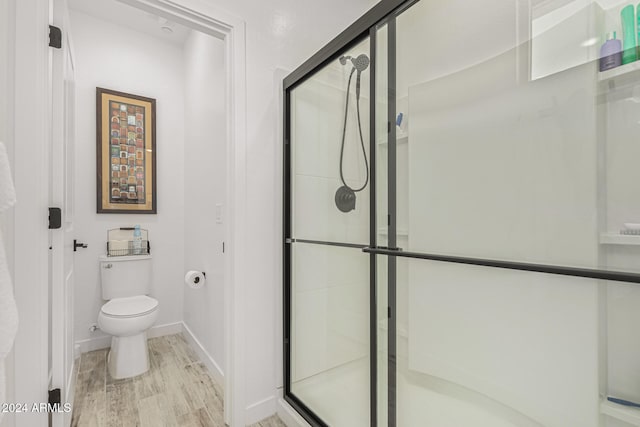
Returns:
<point x="619" y="72"/>
<point x="624" y="413"/>
<point x="613" y="238"/>
<point x="400" y="139"/>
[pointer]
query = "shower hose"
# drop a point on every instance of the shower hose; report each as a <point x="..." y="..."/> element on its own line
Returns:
<point x="344" y="132"/>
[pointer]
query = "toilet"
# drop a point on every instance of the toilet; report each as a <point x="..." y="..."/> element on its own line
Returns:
<point x="128" y="313"/>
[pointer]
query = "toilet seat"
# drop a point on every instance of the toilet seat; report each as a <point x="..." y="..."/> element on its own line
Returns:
<point x="136" y="306"/>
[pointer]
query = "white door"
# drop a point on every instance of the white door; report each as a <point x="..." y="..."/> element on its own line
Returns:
<point x="62" y="240"/>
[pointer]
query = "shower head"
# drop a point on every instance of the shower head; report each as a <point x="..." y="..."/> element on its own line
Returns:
<point x="361" y="62"/>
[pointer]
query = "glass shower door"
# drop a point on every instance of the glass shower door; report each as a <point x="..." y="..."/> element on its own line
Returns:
<point x="497" y="280"/>
<point x="328" y="343"/>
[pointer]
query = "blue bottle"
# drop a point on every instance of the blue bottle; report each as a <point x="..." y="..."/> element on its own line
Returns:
<point x="611" y="53"/>
<point x="137" y="240"/>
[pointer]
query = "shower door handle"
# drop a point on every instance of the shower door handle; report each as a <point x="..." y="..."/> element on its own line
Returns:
<point x="380" y="250"/>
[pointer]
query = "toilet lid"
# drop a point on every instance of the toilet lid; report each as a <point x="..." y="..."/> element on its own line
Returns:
<point x="131" y="306"/>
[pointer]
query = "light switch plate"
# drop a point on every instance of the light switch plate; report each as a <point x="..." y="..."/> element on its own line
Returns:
<point x="219" y="214"/>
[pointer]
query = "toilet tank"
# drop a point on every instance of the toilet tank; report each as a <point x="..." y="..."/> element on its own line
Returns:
<point x="125" y="276"/>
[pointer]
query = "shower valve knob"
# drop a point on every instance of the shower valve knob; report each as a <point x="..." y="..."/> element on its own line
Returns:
<point x="345" y="199"/>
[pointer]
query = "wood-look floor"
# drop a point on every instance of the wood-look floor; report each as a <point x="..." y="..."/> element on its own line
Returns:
<point x="177" y="391"/>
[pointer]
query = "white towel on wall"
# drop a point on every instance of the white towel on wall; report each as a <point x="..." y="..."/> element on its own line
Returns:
<point x="7" y="192"/>
<point x="8" y="310"/>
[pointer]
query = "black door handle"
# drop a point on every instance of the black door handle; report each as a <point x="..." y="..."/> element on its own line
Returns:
<point x="77" y="245"/>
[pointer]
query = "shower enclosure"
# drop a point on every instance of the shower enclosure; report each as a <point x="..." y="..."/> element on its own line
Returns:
<point x="462" y="220"/>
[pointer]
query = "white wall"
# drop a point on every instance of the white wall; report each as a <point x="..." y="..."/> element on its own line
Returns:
<point x="118" y="58"/>
<point x="204" y="188"/>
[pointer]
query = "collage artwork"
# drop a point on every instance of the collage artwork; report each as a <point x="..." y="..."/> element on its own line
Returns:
<point x="127" y="153"/>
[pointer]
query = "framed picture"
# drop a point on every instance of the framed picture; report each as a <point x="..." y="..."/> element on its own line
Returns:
<point x="126" y="152"/>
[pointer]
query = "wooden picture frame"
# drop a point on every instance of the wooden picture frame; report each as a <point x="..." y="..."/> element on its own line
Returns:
<point x="126" y="153"/>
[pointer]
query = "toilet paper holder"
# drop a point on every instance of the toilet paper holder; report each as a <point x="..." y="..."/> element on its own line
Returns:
<point x="195" y="279"/>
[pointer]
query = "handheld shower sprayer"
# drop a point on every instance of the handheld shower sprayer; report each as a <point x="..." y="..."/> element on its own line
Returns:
<point x="360" y="63"/>
<point x="345" y="197"/>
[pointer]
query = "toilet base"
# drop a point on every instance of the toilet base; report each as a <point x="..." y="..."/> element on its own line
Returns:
<point x="128" y="356"/>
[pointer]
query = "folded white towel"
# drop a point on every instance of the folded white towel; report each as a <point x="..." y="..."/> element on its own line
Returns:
<point x="118" y="247"/>
<point x="7" y="192"/>
<point x="8" y="318"/>
<point x="8" y="310"/>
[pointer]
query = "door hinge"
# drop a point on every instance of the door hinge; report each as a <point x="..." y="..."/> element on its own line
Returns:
<point x="55" y="218"/>
<point x="222" y="247"/>
<point x="55" y="397"/>
<point x="55" y="37"/>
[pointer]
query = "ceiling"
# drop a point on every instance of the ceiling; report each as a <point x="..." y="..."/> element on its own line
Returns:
<point x="132" y="18"/>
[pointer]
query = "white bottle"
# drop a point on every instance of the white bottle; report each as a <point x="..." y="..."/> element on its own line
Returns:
<point x="137" y="241"/>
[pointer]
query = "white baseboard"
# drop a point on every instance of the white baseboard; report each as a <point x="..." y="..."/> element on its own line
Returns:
<point x="162" y="330"/>
<point x="92" y="344"/>
<point x="205" y="357"/>
<point x="289" y="416"/>
<point x="260" y="410"/>
<point x="98" y="343"/>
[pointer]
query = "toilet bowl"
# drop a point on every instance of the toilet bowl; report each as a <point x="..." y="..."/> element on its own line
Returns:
<point x="129" y="312"/>
<point x="127" y="320"/>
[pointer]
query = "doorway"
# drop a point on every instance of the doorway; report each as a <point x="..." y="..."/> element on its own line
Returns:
<point x="32" y="356"/>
